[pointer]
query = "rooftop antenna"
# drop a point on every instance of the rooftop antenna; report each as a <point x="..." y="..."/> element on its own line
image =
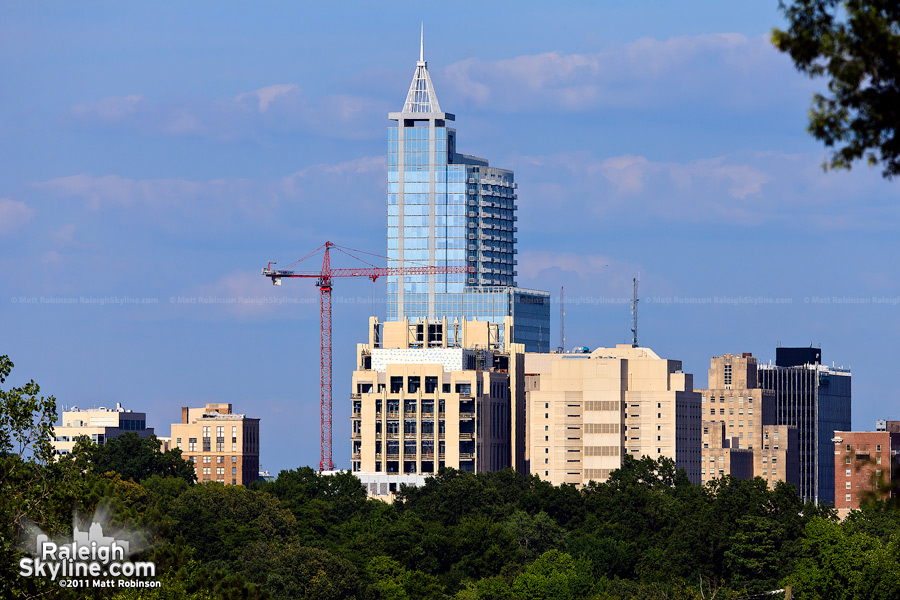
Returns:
<point x="562" y="320"/>
<point x="634" y="312"/>
<point x="422" y="44"/>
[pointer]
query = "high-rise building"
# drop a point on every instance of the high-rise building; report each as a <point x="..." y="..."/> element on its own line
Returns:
<point x="867" y="465"/>
<point x="585" y="411"/>
<point x="97" y="424"/>
<point x="432" y="395"/>
<point x="223" y="446"/>
<point x="450" y="209"/>
<point x="746" y="414"/>
<point x="815" y="399"/>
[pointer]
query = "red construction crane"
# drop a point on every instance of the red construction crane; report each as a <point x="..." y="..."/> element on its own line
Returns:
<point x="323" y="281"/>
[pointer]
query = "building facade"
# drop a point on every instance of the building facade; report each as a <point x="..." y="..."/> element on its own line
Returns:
<point x="866" y="465"/>
<point x="816" y="400"/>
<point x="722" y="455"/>
<point x="585" y="411"/>
<point x="223" y="446"/>
<point x="98" y="424"/>
<point x="433" y="395"/>
<point x="450" y="209"/>
<point x="747" y="415"/>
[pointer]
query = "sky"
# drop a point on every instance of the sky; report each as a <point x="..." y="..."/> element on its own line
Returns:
<point x="157" y="155"/>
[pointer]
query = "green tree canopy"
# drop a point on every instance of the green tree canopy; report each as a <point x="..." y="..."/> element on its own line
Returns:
<point x="855" y="46"/>
<point x="134" y="457"/>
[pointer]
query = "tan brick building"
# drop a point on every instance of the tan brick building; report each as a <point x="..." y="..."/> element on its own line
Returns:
<point x="585" y="411"/>
<point x="866" y="465"/>
<point x="223" y="446"/>
<point x="723" y="454"/>
<point x="428" y="395"/>
<point x="747" y="415"/>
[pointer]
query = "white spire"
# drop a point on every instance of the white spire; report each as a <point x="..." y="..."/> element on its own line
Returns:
<point x="421" y="97"/>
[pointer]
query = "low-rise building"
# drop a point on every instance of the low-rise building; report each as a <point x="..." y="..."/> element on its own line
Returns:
<point x="866" y="465"/>
<point x="222" y="445"/>
<point x="97" y="424"/>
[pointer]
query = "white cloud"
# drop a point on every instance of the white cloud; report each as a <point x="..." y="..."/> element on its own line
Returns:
<point x="706" y="69"/>
<point x="13" y="215"/>
<point x="265" y="95"/>
<point x="276" y="108"/>
<point x="114" y="108"/>
<point x="744" y="190"/>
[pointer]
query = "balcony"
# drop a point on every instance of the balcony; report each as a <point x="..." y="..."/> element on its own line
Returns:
<point x="355" y="456"/>
<point x="355" y="396"/>
<point x="466" y="415"/>
<point x="409" y="436"/>
<point x="466" y="456"/>
<point x="466" y="436"/>
<point x="356" y="435"/>
<point x="410" y="414"/>
<point x="377" y="435"/>
<point x="393" y="456"/>
<point x="427" y="436"/>
<point x="393" y="414"/>
<point x="393" y="436"/>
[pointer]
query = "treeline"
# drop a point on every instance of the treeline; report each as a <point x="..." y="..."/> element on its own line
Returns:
<point x="646" y="533"/>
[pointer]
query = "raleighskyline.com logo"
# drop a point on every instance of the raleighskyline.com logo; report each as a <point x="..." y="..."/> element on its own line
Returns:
<point x="90" y="559"/>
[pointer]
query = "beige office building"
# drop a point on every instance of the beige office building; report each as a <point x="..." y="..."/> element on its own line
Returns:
<point x="428" y="395"/>
<point x="585" y="411"/>
<point x="747" y="414"/>
<point x="97" y="424"/>
<point x="222" y="445"/>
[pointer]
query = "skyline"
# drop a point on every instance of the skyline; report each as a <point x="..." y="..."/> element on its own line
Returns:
<point x="174" y="167"/>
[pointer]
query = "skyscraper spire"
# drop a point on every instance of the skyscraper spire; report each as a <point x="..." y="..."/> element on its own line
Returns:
<point x="421" y="97"/>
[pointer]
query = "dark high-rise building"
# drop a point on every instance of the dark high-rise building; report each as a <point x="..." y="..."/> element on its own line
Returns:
<point x="816" y="400"/>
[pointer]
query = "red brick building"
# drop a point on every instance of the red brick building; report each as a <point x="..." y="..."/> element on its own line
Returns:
<point x="866" y="464"/>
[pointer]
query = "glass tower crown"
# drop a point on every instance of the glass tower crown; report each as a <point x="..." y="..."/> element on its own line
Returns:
<point x="449" y="209"/>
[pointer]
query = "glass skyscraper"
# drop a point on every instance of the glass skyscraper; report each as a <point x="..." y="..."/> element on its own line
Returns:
<point x="449" y="209"/>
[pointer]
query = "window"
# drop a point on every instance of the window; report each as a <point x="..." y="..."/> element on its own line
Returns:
<point x="546" y="461"/>
<point x="546" y="405"/>
<point x="848" y="473"/>
<point x="546" y="450"/>
<point x="220" y="459"/>
<point x="847" y="497"/>
<point x="234" y="459"/>
<point x="207" y="459"/>
<point x="727" y="375"/>
<point x="847" y="485"/>
<point x="192" y="444"/>
<point x="847" y="460"/>
<point x="878" y="448"/>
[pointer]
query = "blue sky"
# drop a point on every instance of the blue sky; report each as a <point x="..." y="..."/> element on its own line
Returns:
<point x="168" y="150"/>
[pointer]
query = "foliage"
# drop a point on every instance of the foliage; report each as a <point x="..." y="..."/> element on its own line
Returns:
<point x="855" y="45"/>
<point x="133" y="457"/>
<point x="26" y="419"/>
<point x="840" y="564"/>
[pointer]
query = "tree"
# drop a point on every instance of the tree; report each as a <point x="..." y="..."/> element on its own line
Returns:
<point x="134" y="457"/>
<point x="855" y="45"/>
<point x="845" y="565"/>
<point x="26" y="419"/>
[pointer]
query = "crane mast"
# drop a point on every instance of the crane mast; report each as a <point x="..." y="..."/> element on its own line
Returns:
<point x="324" y="283"/>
